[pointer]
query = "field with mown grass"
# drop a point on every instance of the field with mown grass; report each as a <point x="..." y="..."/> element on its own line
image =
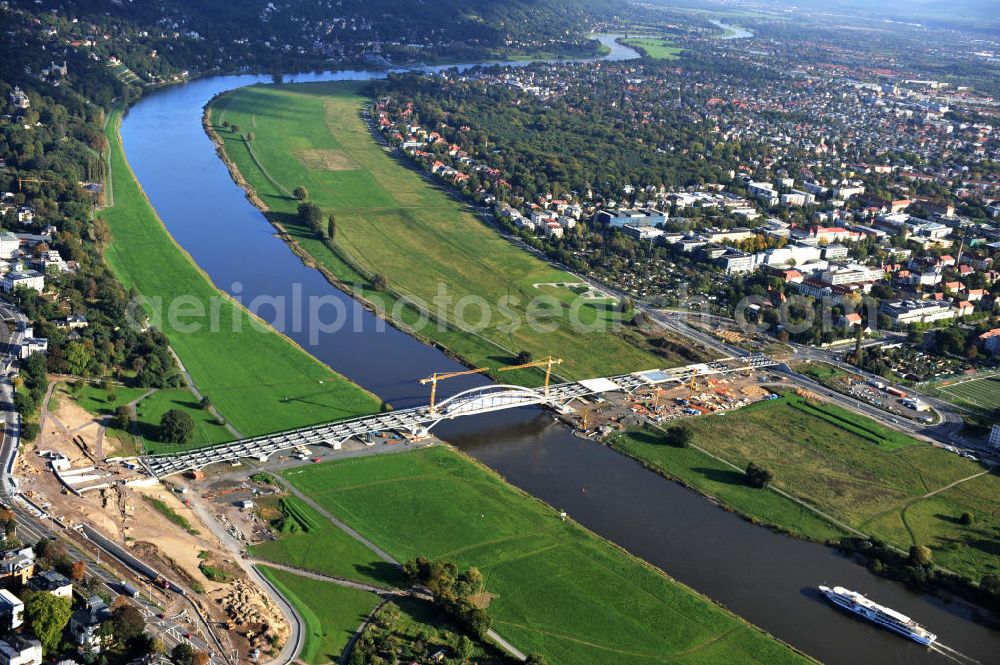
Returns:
<point x="556" y="588"/>
<point x="307" y="540"/>
<point x="256" y="378"/>
<point x="981" y="396"/>
<point x="391" y="220"/>
<point x="859" y="472"/>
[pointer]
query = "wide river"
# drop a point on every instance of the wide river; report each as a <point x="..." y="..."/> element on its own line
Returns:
<point x="763" y="576"/>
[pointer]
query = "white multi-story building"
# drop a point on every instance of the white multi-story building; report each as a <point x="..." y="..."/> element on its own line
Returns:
<point x="797" y="198"/>
<point x="852" y="274"/>
<point x="736" y="262"/>
<point x="846" y="192"/>
<point x="834" y="252"/>
<point x="731" y="235"/>
<point x="792" y="254"/>
<point x="906" y="312"/>
<point x="30" y="280"/>
<point x="9" y="245"/>
<point x="552" y="229"/>
<point x="764" y="192"/>
<point x="11" y="610"/>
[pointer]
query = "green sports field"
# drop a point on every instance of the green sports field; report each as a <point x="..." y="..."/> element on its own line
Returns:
<point x="255" y="377"/>
<point x="556" y="588"/>
<point x="979" y="395"/>
<point x="391" y="220"/>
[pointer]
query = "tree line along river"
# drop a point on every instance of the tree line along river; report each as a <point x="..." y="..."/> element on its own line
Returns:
<point x="766" y="577"/>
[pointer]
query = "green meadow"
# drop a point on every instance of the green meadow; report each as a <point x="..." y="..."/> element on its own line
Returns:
<point x="867" y="476"/>
<point x="149" y="412"/>
<point x="555" y="588"/>
<point x="655" y="48"/>
<point x="390" y="220"/>
<point x="308" y="540"/>
<point x="257" y="379"/>
<point x="331" y="613"/>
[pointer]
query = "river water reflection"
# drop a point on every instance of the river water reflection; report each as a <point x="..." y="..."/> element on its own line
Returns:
<point x="766" y="577"/>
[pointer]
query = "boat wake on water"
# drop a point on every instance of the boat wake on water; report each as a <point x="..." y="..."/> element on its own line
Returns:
<point x="953" y="654"/>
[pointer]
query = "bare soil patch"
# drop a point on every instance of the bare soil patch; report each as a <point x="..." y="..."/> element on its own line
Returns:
<point x="327" y="160"/>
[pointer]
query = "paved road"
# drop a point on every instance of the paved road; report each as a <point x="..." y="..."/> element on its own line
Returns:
<point x="33" y="525"/>
<point x="945" y="432"/>
<point x="32" y="529"/>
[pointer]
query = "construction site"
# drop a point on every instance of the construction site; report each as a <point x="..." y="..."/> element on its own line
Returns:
<point x="189" y="574"/>
<point x="601" y="416"/>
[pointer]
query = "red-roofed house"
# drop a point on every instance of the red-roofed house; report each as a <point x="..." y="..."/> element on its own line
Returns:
<point x="849" y="321"/>
<point x="792" y="276"/>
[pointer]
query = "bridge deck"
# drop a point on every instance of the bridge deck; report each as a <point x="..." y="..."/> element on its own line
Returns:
<point x="471" y="402"/>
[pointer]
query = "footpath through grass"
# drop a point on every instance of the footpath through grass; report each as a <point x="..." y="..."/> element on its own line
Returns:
<point x="331" y="613"/>
<point x="865" y="475"/>
<point x="391" y="220"/>
<point x="149" y="412"/>
<point x="556" y="588"/>
<point x="255" y="377"/>
<point x="307" y="540"/>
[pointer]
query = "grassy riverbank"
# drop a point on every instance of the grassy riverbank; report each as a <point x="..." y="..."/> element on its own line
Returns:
<point x="331" y="613"/>
<point x="866" y="476"/>
<point x="256" y="378"/>
<point x="390" y="220"/>
<point x="654" y="47"/>
<point x="555" y="588"/>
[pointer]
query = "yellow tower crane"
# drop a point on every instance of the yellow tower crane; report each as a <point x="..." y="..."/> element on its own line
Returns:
<point x="438" y="376"/>
<point x="21" y="181"/>
<point x="544" y="362"/>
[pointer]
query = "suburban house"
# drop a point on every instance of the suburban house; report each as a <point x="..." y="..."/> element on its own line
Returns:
<point x="17" y="566"/>
<point x="52" y="582"/>
<point x="17" y="650"/>
<point x="85" y="623"/>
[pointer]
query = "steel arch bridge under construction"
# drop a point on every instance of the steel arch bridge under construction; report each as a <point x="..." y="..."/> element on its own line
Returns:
<point x="419" y="420"/>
